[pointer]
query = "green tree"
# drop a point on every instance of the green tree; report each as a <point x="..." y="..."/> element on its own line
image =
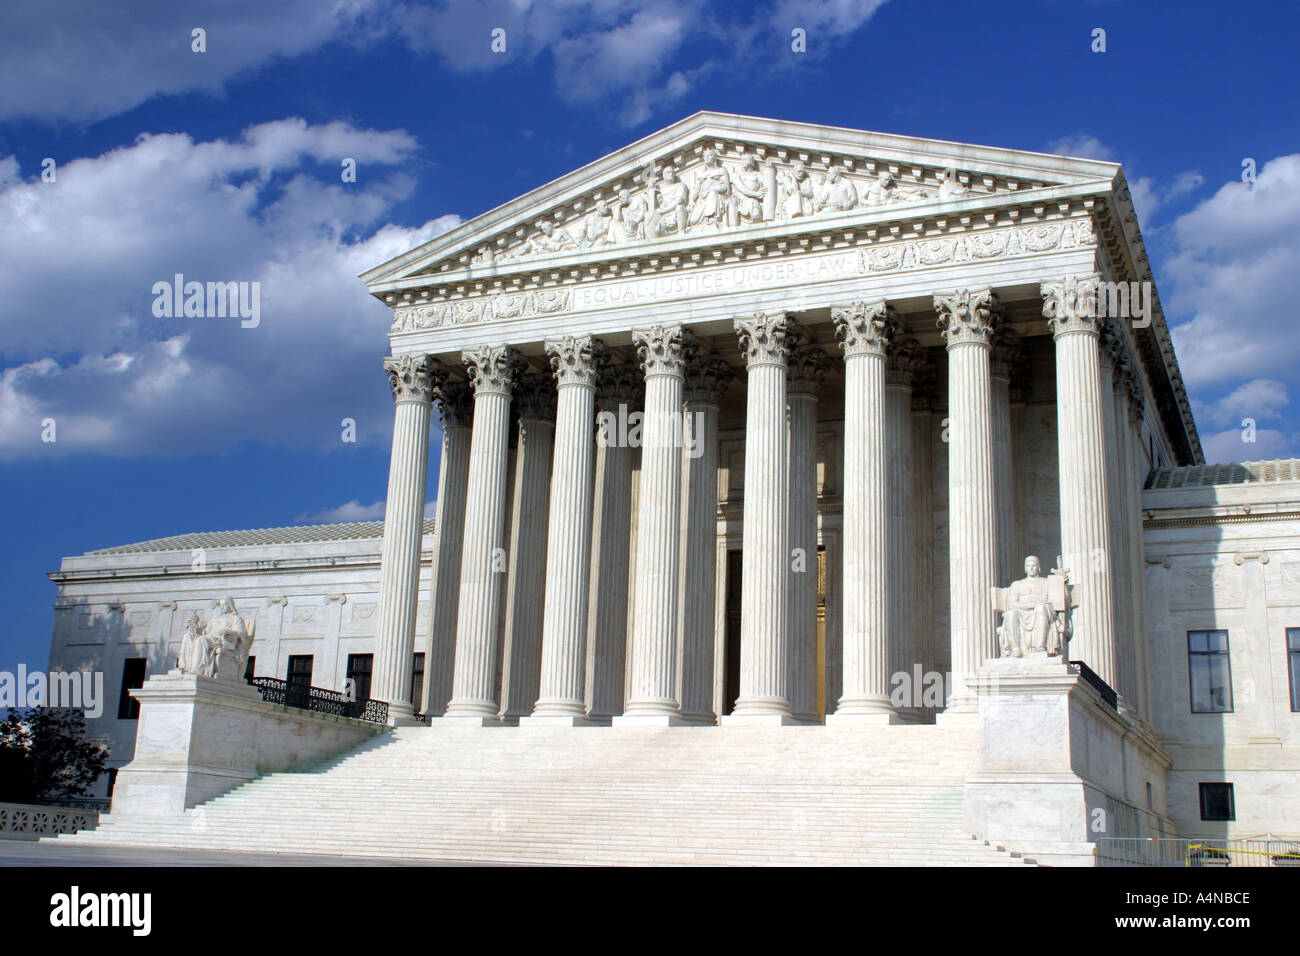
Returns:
<point x="44" y="755"/>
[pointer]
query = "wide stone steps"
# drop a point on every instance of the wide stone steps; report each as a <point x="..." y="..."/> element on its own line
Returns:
<point x="737" y="795"/>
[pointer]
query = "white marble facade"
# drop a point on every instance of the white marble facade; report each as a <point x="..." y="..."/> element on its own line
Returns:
<point x="879" y="346"/>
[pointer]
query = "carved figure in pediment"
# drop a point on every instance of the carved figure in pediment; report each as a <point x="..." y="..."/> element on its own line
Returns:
<point x="1035" y="612"/>
<point x="950" y="187"/>
<point x="748" y="193"/>
<point x="598" y="228"/>
<point x="713" y="199"/>
<point x="550" y="238"/>
<point x="836" y="193"/>
<point x="799" y="192"/>
<point x="886" y="190"/>
<point x="630" y="215"/>
<point x="669" y="205"/>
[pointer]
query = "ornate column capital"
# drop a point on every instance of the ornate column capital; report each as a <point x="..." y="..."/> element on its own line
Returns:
<point x="807" y="369"/>
<point x="766" y="338"/>
<point x="864" y="328"/>
<point x="413" y="378"/>
<point x="902" y="361"/>
<point x="707" y="377"/>
<point x="968" y="318"/>
<point x="621" y="384"/>
<point x="577" y="359"/>
<point x="455" y="404"/>
<point x="1070" y="304"/>
<point x="663" y="349"/>
<point x="492" y="368"/>
<point x="533" y="395"/>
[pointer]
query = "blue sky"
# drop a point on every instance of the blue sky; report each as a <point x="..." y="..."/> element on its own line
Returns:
<point x="225" y="165"/>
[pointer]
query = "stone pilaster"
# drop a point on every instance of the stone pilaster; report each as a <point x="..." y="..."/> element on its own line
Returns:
<point x="1070" y="307"/>
<point x="455" y="406"/>
<point x="534" y="401"/>
<point x="663" y="351"/>
<point x="766" y="581"/>
<point x="807" y="369"/>
<point x="864" y="331"/>
<point x="492" y="371"/>
<point x="413" y="379"/>
<point x="1006" y="353"/>
<point x="707" y="377"/>
<point x="577" y="362"/>
<point x="968" y="320"/>
<point x="618" y="395"/>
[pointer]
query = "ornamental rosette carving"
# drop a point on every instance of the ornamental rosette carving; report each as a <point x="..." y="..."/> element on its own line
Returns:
<point x="902" y="359"/>
<point x="766" y="338"/>
<point x="807" y="368"/>
<point x="707" y="377"/>
<point x="865" y="328"/>
<point x="455" y="404"/>
<point x="1070" y="304"/>
<point x="620" y="385"/>
<point x="533" y="396"/>
<point x="663" y="349"/>
<point x="413" y="378"/>
<point x="577" y="359"/>
<point x="968" y="318"/>
<point x="492" y="368"/>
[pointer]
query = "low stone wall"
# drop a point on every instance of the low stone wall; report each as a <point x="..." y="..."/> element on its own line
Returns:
<point x="25" y="821"/>
<point x="199" y="738"/>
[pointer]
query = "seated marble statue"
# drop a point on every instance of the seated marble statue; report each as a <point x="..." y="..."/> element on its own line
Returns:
<point x="1033" y="613"/>
<point x="218" y="649"/>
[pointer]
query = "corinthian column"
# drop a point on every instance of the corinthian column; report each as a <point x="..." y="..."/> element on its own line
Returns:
<point x="534" y="398"/>
<point x="653" y="693"/>
<point x="864" y="331"/>
<point x="617" y="396"/>
<point x="413" y="379"/>
<point x="1111" y="370"/>
<point x="901" y="361"/>
<point x="766" y="581"/>
<point x="492" y="371"/>
<point x="577" y="362"/>
<point x="707" y="377"/>
<point x="449" y="526"/>
<point x="968" y="320"/>
<point x="1070" y="307"/>
<point x="1005" y="352"/>
<point x="808" y="366"/>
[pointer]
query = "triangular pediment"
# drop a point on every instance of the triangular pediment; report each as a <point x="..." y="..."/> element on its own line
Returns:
<point x="714" y="176"/>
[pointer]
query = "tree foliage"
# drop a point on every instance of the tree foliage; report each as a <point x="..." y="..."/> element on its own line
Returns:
<point x="44" y="755"/>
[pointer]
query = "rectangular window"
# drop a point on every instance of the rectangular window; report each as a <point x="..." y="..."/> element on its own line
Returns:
<point x="250" y="668"/>
<point x="359" y="668"/>
<point x="1217" y="803"/>
<point x="417" y="682"/>
<point x="1293" y="665"/>
<point x="1209" y="672"/>
<point x="299" y="670"/>
<point x="133" y="674"/>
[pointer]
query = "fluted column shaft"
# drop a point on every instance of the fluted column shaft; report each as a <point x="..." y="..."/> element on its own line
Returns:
<point x="900" y="482"/>
<point x="922" y="544"/>
<point x="1136" y="477"/>
<point x="653" y="693"/>
<point x="482" y="555"/>
<point x="1070" y="307"/>
<point x="576" y="361"/>
<point x="1000" y="436"/>
<point x="449" y="527"/>
<point x="765" y="583"/>
<point x="864" y="331"/>
<point x="1110" y="374"/>
<point x="412" y="379"/>
<point x="808" y="365"/>
<point x="968" y="319"/>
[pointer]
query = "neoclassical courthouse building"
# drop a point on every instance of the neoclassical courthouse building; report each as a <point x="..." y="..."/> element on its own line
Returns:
<point x="747" y="431"/>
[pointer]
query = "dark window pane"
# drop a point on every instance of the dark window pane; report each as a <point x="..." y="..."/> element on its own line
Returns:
<point x="1209" y="672"/>
<point x="417" y="682"/>
<point x="133" y="674"/>
<point x="1217" y="802"/>
<point x="360" y="668"/>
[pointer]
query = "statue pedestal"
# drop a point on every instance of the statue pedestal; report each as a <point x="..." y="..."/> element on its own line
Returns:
<point x="1058" y="767"/>
<point x="199" y="737"/>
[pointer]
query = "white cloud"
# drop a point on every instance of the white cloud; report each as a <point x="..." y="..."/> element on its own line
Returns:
<point x="1230" y="446"/>
<point x="79" y="258"/>
<point x="1082" y="146"/>
<point x="348" y="511"/>
<point x="1260" y="399"/>
<point x="65" y="59"/>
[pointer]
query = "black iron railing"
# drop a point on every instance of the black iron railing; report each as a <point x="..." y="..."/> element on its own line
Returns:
<point x="1106" y="692"/>
<point x="319" y="700"/>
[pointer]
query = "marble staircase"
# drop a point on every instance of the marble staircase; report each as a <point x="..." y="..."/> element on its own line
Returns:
<point x="760" y="795"/>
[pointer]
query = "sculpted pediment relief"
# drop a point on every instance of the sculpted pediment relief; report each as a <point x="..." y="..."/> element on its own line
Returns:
<point x="714" y="175"/>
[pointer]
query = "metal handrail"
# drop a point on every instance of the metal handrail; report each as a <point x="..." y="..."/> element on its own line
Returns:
<point x="1091" y="677"/>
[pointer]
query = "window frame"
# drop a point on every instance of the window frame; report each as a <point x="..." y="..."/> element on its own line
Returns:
<point x="1193" y="655"/>
<point x="1202" y="790"/>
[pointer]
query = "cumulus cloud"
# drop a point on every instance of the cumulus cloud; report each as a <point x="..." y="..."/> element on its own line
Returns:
<point x="1231" y="445"/>
<point x="79" y="259"/>
<point x="348" y="511"/>
<point x="1083" y="146"/>
<point x="70" y="60"/>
